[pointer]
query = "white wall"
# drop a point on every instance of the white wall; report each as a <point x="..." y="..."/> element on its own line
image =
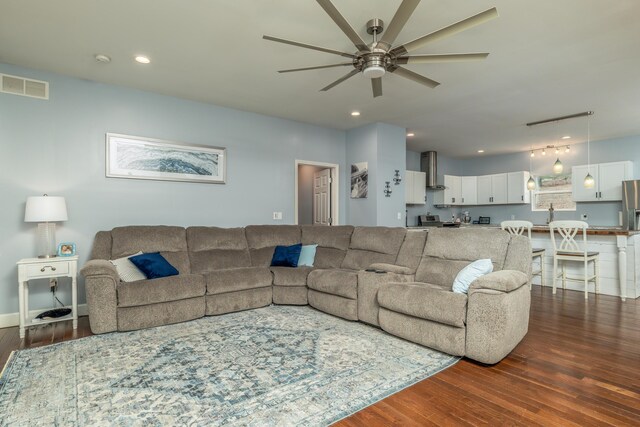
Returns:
<point x="57" y="147"/>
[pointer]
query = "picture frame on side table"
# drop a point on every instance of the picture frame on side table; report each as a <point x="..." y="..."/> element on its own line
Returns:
<point x="137" y="157"/>
<point x="66" y="249"/>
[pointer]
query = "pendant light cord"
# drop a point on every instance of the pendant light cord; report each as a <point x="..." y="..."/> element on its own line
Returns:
<point x="589" y="144"/>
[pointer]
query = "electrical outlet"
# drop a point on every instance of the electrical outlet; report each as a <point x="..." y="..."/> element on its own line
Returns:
<point x="584" y="217"/>
<point x="513" y="217"/>
<point x="277" y="215"/>
<point x="399" y="215"/>
<point x="53" y="284"/>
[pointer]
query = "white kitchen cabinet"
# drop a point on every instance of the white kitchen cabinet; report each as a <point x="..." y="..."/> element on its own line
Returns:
<point x="608" y="181"/>
<point x="451" y="194"/>
<point x="517" y="192"/>
<point x="492" y="189"/>
<point x="468" y="190"/>
<point x="415" y="184"/>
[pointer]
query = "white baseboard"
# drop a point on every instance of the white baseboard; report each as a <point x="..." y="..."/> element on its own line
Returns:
<point x="13" y="319"/>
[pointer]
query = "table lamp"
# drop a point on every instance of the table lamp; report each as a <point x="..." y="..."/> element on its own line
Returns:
<point x="46" y="210"/>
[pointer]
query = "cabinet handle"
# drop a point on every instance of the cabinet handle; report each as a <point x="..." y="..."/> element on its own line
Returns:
<point x="453" y="200"/>
<point x="522" y="198"/>
<point x="47" y="266"/>
<point x="463" y="200"/>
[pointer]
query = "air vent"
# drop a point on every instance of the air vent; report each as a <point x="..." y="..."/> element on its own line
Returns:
<point x="23" y="86"/>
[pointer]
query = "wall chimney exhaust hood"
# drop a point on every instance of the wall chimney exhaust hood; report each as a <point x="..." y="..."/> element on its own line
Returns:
<point x="429" y="164"/>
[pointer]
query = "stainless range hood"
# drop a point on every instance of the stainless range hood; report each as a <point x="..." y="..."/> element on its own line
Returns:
<point x="429" y="164"/>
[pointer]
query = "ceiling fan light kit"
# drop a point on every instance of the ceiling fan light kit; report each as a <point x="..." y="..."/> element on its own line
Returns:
<point x="378" y="58"/>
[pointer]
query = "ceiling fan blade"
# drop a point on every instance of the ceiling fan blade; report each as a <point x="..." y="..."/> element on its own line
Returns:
<point x="342" y="64"/>
<point x="343" y="24"/>
<point x="450" y="57"/>
<point x="340" y="80"/>
<point x="376" y="85"/>
<point x="415" y="77"/>
<point x="397" y="23"/>
<point x="450" y="30"/>
<point x="308" y="46"/>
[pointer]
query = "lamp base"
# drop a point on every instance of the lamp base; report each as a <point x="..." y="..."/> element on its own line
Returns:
<point x="47" y="240"/>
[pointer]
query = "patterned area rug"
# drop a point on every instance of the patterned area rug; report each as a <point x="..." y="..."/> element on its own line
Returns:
<point x="273" y="366"/>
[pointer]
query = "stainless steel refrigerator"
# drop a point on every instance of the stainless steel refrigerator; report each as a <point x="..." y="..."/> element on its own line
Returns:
<point x="631" y="205"/>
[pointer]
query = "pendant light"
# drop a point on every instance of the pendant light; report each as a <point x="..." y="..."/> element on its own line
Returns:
<point x="589" y="182"/>
<point x="531" y="183"/>
<point x="557" y="166"/>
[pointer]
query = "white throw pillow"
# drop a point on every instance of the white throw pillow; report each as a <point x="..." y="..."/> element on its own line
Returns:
<point x="127" y="270"/>
<point x="470" y="273"/>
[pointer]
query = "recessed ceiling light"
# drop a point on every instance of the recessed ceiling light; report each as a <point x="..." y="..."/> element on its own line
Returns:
<point x="355" y="113"/>
<point x="410" y="134"/>
<point x="142" y="59"/>
<point x="480" y="151"/>
<point x="102" y="58"/>
<point x="566" y="137"/>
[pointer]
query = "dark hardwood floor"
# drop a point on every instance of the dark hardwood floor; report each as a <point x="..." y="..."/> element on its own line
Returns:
<point x="579" y="365"/>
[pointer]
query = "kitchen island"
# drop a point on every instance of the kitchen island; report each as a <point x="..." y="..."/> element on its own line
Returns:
<point x="619" y="258"/>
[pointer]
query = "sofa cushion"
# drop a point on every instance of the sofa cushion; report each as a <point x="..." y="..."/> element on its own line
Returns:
<point x="207" y="238"/>
<point x="262" y="240"/>
<point x="329" y="257"/>
<point x="237" y="279"/>
<point x="174" y="288"/>
<point x="154" y="238"/>
<point x="215" y="248"/>
<point x="263" y="236"/>
<point x="424" y="301"/>
<point x="411" y="250"/>
<point x="286" y="276"/>
<point x="332" y="242"/>
<point x="448" y="251"/>
<point x="337" y="237"/>
<point x="153" y="265"/>
<point x="340" y="282"/>
<point x="286" y="256"/>
<point x="373" y="245"/>
<point x="470" y="273"/>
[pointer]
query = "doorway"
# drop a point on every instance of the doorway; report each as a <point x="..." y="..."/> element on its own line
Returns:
<point x="316" y="193"/>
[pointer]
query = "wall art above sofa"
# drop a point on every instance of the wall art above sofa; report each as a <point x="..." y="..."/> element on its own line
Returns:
<point x="146" y="158"/>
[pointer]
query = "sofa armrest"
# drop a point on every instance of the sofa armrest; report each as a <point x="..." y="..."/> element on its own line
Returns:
<point x="101" y="282"/>
<point x="100" y="267"/>
<point x="501" y="281"/>
<point x="390" y="268"/>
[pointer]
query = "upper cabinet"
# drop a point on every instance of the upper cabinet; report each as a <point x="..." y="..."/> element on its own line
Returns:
<point x="451" y="195"/>
<point x="493" y="189"/>
<point x="608" y="181"/>
<point x="415" y="184"/>
<point x="517" y="191"/>
<point x="468" y="190"/>
<point x="496" y="189"/>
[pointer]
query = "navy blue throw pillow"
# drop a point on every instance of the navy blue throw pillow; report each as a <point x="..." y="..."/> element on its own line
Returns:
<point x="286" y="256"/>
<point x="153" y="265"/>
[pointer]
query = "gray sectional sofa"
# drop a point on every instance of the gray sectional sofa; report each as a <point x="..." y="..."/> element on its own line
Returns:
<point x="409" y="295"/>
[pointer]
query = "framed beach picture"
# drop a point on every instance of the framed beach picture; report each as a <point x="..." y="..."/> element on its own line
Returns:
<point x="145" y="158"/>
<point x="359" y="180"/>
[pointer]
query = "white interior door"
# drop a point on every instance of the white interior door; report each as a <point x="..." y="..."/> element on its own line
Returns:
<point x="322" y="197"/>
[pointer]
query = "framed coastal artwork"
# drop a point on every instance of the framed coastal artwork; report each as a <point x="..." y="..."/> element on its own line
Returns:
<point x="359" y="180"/>
<point x="553" y="189"/>
<point x="145" y="158"/>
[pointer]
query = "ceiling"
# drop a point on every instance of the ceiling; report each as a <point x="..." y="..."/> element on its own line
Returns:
<point x="548" y="58"/>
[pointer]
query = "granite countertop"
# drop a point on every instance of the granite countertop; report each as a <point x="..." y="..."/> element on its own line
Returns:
<point x="596" y="230"/>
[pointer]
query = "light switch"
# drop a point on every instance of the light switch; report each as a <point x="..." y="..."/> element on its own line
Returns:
<point x="277" y="215"/>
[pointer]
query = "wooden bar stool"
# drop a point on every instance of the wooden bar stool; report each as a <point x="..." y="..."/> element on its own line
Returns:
<point x="518" y="228"/>
<point x="569" y="250"/>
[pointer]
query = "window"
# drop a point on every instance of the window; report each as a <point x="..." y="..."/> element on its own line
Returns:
<point x="554" y="189"/>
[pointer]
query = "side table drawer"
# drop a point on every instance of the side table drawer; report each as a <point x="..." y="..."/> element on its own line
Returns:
<point x="46" y="270"/>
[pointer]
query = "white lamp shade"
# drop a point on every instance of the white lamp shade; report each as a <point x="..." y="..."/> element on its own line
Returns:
<point x="45" y="209"/>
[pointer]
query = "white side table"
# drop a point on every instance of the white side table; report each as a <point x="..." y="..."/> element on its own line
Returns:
<point x="46" y="268"/>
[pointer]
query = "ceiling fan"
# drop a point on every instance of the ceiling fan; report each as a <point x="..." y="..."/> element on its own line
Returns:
<point x="376" y="59"/>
